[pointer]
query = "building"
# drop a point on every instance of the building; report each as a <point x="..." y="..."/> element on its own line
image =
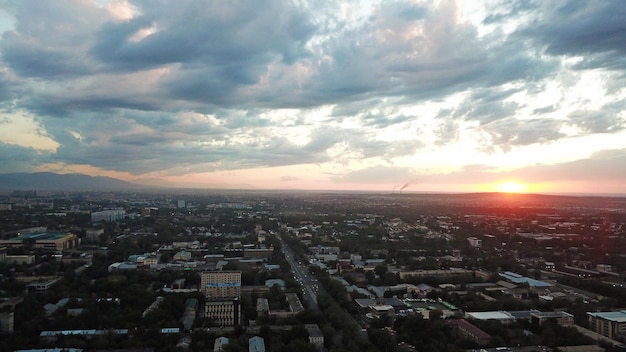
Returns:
<point x="500" y="316"/>
<point x="440" y="273"/>
<point x="562" y="318"/>
<point x="7" y="309"/>
<point x="222" y="290"/>
<point x="189" y="316"/>
<point x="108" y="215"/>
<point x="219" y="344"/>
<point x="262" y="307"/>
<point x="256" y="344"/>
<point x="220" y="284"/>
<point x="93" y="235"/>
<point x="258" y="253"/>
<point x="475" y="242"/>
<point x="519" y="279"/>
<point x="223" y="312"/>
<point x="315" y="334"/>
<point x="57" y="241"/>
<point x="6" y="322"/>
<point x="182" y="256"/>
<point x="27" y="259"/>
<point x="609" y="324"/>
<point x="464" y="328"/>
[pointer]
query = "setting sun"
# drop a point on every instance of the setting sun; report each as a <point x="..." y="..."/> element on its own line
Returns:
<point x="511" y="187"/>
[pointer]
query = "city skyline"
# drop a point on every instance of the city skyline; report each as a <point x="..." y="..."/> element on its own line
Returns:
<point x="427" y="96"/>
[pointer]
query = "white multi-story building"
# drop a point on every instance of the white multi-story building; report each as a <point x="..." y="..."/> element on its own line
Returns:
<point x="108" y="215"/>
<point x="220" y="284"/>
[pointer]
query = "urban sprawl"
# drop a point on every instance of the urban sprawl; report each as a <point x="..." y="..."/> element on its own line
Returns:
<point x="311" y="271"/>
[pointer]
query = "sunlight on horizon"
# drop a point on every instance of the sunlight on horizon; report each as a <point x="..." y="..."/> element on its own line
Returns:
<point x="511" y="187"/>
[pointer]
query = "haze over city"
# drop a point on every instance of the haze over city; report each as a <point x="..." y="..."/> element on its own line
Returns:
<point x="437" y="96"/>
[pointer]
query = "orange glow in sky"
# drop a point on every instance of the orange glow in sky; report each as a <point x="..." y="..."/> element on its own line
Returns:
<point x="511" y="187"/>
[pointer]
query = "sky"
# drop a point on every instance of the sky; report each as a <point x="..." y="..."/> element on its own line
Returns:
<point x="398" y="96"/>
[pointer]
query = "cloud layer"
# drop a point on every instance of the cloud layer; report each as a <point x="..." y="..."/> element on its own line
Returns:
<point x="359" y="92"/>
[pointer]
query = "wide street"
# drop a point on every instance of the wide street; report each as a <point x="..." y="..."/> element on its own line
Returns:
<point x="310" y="286"/>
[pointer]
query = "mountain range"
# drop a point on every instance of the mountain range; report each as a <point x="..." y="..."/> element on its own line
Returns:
<point x="49" y="181"/>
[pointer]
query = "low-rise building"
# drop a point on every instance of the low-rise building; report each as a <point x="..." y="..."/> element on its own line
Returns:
<point x="464" y="328"/>
<point x="256" y="344"/>
<point x="220" y="343"/>
<point x="223" y="312"/>
<point x="57" y="241"/>
<point x="562" y="318"/>
<point x="315" y="334"/>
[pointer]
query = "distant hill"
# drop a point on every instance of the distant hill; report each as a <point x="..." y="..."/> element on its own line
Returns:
<point x="49" y="181"/>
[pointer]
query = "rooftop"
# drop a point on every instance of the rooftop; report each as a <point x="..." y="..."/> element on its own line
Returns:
<point x="38" y="236"/>
<point x="619" y="317"/>
<point x="519" y="279"/>
<point x="494" y="315"/>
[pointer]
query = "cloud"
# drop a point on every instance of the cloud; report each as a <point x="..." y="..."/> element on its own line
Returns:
<point x="391" y="175"/>
<point x="180" y="87"/>
<point x="510" y="132"/>
<point x="583" y="28"/>
<point x="603" y="166"/>
<point x="21" y="159"/>
<point x="49" y="40"/>
<point x="601" y="121"/>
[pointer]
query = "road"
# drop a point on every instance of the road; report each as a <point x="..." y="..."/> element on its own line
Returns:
<point x="310" y="286"/>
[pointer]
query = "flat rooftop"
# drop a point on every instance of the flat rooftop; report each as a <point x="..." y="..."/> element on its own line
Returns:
<point x="619" y="317"/>
<point x="519" y="279"/>
<point x="39" y="236"/>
